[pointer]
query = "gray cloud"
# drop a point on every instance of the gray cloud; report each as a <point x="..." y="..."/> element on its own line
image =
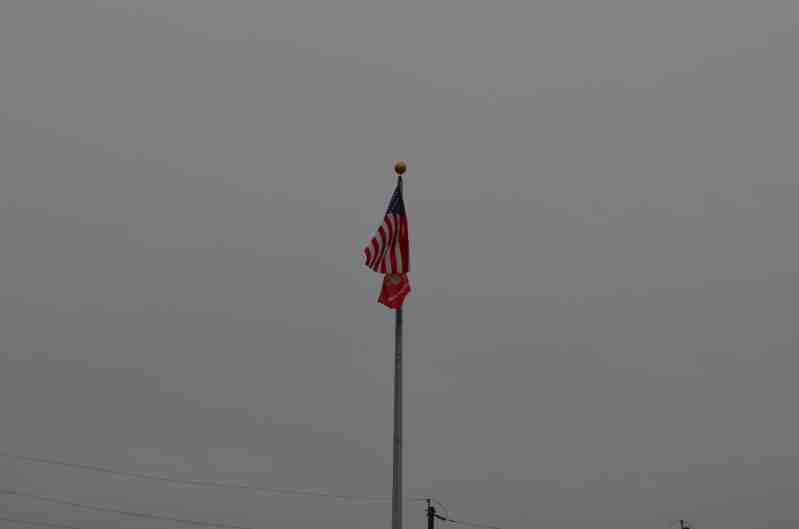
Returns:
<point x="602" y="325"/>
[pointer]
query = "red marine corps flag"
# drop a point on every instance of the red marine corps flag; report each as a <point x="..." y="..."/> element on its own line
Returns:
<point x="388" y="252"/>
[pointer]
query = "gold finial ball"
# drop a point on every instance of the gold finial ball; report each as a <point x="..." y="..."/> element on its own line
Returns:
<point x="400" y="168"/>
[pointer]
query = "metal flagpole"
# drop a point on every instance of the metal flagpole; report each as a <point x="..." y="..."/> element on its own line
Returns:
<point x="396" y="496"/>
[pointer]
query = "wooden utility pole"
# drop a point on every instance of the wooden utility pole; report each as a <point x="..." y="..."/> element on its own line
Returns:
<point x="431" y="516"/>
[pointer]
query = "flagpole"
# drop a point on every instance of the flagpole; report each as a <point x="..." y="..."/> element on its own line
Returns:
<point x="396" y="496"/>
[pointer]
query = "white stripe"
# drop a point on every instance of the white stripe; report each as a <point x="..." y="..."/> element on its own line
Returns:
<point x="383" y="244"/>
<point x="379" y="250"/>
<point x="381" y="247"/>
<point x="392" y="226"/>
<point x="383" y="264"/>
<point x="372" y="252"/>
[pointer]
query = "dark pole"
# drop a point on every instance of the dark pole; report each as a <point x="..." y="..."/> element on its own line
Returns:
<point x="431" y="516"/>
<point x="396" y="518"/>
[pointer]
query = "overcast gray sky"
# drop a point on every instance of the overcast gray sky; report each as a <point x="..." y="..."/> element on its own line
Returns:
<point x="601" y="199"/>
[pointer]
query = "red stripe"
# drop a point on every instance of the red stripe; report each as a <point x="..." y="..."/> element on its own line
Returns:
<point x="392" y="237"/>
<point x="378" y="245"/>
<point x="383" y="240"/>
<point x="389" y="249"/>
<point x="404" y="249"/>
<point x="369" y="253"/>
<point x="379" y="253"/>
<point x="397" y="243"/>
<point x="392" y="254"/>
<point x="375" y="251"/>
<point x="389" y="243"/>
<point x="372" y="249"/>
<point x="397" y="251"/>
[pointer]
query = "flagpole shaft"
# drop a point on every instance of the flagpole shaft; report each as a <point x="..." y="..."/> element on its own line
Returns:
<point x="396" y="498"/>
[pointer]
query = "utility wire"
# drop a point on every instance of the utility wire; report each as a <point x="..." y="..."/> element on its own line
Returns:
<point x="37" y="524"/>
<point x="214" y="484"/>
<point x="201" y="483"/>
<point x="133" y="514"/>
<point x="446" y="518"/>
<point x="468" y="524"/>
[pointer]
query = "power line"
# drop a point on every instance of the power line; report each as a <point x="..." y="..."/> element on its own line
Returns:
<point x="38" y="524"/>
<point x="471" y="524"/>
<point x="133" y="514"/>
<point x="200" y="483"/>
<point x="433" y="515"/>
<point x="215" y="484"/>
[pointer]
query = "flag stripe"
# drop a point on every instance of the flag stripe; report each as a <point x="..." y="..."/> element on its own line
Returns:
<point x="386" y="241"/>
<point x="383" y="244"/>
<point x="388" y="252"/>
<point x="392" y="258"/>
<point x="398" y="263"/>
<point x="376" y="246"/>
<point x="386" y="244"/>
<point x="402" y="247"/>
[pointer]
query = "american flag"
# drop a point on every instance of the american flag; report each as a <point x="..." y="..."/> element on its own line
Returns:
<point x="388" y="252"/>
